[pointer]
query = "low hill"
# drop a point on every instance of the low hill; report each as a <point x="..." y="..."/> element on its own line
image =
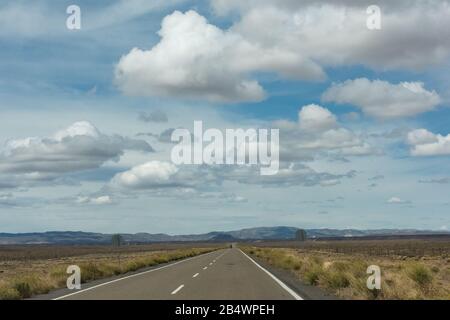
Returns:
<point x="262" y="233"/>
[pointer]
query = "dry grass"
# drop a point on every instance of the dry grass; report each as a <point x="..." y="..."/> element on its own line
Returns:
<point x="345" y="275"/>
<point x="19" y="279"/>
<point x="433" y="246"/>
<point x="45" y="251"/>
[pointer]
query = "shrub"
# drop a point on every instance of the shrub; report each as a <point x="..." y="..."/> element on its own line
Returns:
<point x="358" y="268"/>
<point x="312" y="276"/>
<point x="23" y="288"/>
<point x="421" y="275"/>
<point x="9" y="294"/>
<point x="435" y="269"/>
<point x="132" y="266"/>
<point x="340" y="266"/>
<point x="90" y="271"/>
<point x="317" y="260"/>
<point x="163" y="259"/>
<point x="337" y="280"/>
<point x="286" y="262"/>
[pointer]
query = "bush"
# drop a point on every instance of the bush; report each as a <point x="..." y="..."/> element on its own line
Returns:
<point x="133" y="266"/>
<point x="297" y="266"/>
<point x="23" y="288"/>
<point x="421" y="275"/>
<point x="285" y="262"/>
<point x="312" y="276"/>
<point x="317" y="260"/>
<point x="337" y="280"/>
<point x="90" y="271"/>
<point x="435" y="269"/>
<point x="163" y="259"/>
<point x="341" y="266"/>
<point x="9" y="294"/>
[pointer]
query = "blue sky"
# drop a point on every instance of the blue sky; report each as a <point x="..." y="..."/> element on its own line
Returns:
<point x="70" y="102"/>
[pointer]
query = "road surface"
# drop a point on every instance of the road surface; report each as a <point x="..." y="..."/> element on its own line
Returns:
<point x="227" y="274"/>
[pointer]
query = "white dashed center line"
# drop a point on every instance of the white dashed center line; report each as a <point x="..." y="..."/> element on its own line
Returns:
<point x="220" y="256"/>
<point x="205" y="268"/>
<point x="177" y="289"/>
<point x="195" y="275"/>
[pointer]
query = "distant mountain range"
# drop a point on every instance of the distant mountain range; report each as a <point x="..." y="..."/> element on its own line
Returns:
<point x="263" y="233"/>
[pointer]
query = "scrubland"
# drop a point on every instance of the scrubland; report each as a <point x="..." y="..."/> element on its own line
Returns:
<point x="26" y="271"/>
<point x="345" y="274"/>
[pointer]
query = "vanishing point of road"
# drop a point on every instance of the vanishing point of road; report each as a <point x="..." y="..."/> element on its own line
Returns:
<point x="227" y="274"/>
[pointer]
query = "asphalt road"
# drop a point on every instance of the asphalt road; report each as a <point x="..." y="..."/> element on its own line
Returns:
<point x="227" y="274"/>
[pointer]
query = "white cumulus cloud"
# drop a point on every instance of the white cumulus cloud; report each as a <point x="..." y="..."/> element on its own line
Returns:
<point x="414" y="35"/>
<point x="314" y="118"/>
<point x="426" y="143"/>
<point x="81" y="146"/>
<point x="148" y="175"/>
<point x="198" y="60"/>
<point x="382" y="99"/>
<point x="317" y="131"/>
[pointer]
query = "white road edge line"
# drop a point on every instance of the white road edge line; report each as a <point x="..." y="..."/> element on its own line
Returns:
<point x="285" y="287"/>
<point x="195" y="275"/>
<point x="131" y="276"/>
<point x="177" y="289"/>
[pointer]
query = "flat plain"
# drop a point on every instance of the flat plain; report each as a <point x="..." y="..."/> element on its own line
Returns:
<point x="410" y="268"/>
